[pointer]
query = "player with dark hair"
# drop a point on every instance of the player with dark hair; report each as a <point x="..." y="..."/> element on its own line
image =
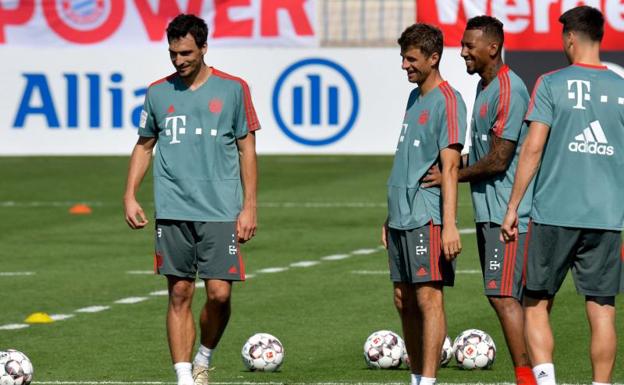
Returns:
<point x="497" y="131"/>
<point x="420" y="232"/>
<point x="575" y="151"/>
<point x="205" y="180"/>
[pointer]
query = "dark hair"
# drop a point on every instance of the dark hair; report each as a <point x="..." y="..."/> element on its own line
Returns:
<point x="489" y="25"/>
<point x="183" y="24"/>
<point x="585" y="20"/>
<point x="427" y="38"/>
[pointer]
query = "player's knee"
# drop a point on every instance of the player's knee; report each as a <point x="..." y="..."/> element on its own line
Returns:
<point x="504" y="304"/>
<point x="181" y="296"/>
<point x="219" y="296"/>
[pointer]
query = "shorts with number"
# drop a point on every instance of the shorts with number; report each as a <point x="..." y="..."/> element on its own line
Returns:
<point x="415" y="256"/>
<point x="593" y="255"/>
<point x="502" y="264"/>
<point x="208" y="250"/>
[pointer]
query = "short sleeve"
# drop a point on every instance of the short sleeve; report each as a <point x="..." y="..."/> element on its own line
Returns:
<point x="510" y="111"/>
<point x="147" y="123"/>
<point x="541" y="105"/>
<point x="452" y="119"/>
<point x="245" y="118"/>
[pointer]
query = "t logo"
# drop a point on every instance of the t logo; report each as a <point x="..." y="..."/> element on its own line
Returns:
<point x="174" y="131"/>
<point x="575" y="91"/>
<point x="494" y="265"/>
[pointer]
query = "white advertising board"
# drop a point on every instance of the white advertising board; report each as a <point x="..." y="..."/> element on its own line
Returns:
<point x="309" y="101"/>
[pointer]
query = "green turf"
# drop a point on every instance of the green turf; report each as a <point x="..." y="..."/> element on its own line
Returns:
<point x="310" y="207"/>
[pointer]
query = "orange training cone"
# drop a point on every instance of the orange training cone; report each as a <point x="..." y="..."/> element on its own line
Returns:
<point x="80" y="209"/>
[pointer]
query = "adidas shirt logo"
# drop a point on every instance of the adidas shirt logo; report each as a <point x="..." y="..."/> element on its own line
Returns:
<point x="592" y="141"/>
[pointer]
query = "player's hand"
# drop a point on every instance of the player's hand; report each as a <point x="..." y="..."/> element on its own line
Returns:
<point x="135" y="217"/>
<point x="509" y="228"/>
<point x="246" y="224"/>
<point x="384" y="234"/>
<point x="433" y="177"/>
<point x="451" y="242"/>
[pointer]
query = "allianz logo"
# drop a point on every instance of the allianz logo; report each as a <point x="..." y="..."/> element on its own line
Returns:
<point x="592" y="141"/>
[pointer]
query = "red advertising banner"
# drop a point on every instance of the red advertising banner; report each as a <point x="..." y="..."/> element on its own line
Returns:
<point x="131" y="22"/>
<point x="529" y="24"/>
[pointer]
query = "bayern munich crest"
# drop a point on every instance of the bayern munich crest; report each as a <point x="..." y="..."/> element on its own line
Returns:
<point x="84" y="14"/>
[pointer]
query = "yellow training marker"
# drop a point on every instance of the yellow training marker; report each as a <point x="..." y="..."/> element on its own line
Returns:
<point x="38" y="318"/>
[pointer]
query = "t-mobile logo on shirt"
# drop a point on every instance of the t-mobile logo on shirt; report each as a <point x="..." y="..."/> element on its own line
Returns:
<point x="174" y="131"/>
<point x="576" y="90"/>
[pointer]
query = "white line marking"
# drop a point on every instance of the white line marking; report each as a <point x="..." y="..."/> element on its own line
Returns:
<point x="335" y="257"/>
<point x="15" y="273"/>
<point x="364" y="251"/>
<point x="61" y="317"/>
<point x="467" y="231"/>
<point x="13" y="326"/>
<point x="131" y="300"/>
<point x="92" y="309"/>
<point x="256" y="383"/>
<point x="200" y="284"/>
<point x="304" y="263"/>
<point x="141" y="272"/>
<point x="272" y="270"/>
<point x="468" y="272"/>
<point x="159" y="293"/>
<point x="384" y="272"/>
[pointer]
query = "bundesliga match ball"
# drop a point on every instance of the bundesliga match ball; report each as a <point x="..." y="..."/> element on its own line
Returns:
<point x="447" y="351"/>
<point x="384" y="350"/>
<point x="15" y="368"/>
<point x="262" y="352"/>
<point x="474" y="349"/>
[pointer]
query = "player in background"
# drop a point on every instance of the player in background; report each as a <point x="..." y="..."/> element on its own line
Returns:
<point x="575" y="151"/>
<point x="497" y="130"/>
<point x="420" y="226"/>
<point x="203" y="121"/>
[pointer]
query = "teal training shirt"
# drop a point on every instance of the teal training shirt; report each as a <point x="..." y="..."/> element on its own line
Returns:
<point x="580" y="182"/>
<point x="499" y="110"/>
<point x="196" y="165"/>
<point x="432" y="123"/>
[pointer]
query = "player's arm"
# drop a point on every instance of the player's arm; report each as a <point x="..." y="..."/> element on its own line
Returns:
<point x="530" y="157"/>
<point x="246" y="224"/>
<point x="450" y="159"/>
<point x="139" y="163"/>
<point x="384" y="234"/>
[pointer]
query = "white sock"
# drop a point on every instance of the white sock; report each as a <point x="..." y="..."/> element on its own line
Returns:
<point x="183" y="372"/>
<point x="599" y="383"/>
<point x="427" y="381"/>
<point x="203" y="356"/>
<point x="416" y="379"/>
<point x="545" y="374"/>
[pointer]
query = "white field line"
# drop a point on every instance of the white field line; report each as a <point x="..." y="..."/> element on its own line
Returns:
<point x="13" y="326"/>
<point x="263" y="383"/>
<point x="140" y="272"/>
<point x="15" y="273"/>
<point x="131" y="300"/>
<point x="385" y="272"/>
<point x="92" y="309"/>
<point x="270" y="270"/>
<point x="304" y="263"/>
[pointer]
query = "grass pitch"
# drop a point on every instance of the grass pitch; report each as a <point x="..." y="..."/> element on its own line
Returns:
<point x="310" y="207"/>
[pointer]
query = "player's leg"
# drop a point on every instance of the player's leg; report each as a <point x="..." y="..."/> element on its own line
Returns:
<point x="596" y="272"/>
<point x="548" y="261"/>
<point x="411" y="320"/>
<point x="219" y="263"/>
<point x="176" y="260"/>
<point x="502" y="266"/>
<point x="431" y="305"/>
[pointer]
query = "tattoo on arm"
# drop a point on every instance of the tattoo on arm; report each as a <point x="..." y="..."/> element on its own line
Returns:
<point x="495" y="162"/>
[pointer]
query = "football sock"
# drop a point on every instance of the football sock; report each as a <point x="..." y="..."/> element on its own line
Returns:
<point x="416" y="379"/>
<point x="599" y="383"/>
<point x="524" y="376"/>
<point x="183" y="372"/>
<point x="427" y="381"/>
<point x="203" y="356"/>
<point x="545" y="374"/>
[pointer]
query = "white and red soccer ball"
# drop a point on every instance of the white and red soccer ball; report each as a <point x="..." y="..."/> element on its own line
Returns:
<point x="474" y="349"/>
<point x="384" y="350"/>
<point x="15" y="368"/>
<point x="262" y="352"/>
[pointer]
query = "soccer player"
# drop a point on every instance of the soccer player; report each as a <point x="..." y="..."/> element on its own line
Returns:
<point x="498" y="130"/>
<point x="421" y="222"/>
<point x="203" y="121"/>
<point x="575" y="151"/>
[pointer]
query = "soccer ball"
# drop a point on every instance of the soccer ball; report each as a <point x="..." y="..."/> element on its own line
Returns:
<point x="15" y="368"/>
<point x="474" y="349"/>
<point x="384" y="350"/>
<point x="447" y="351"/>
<point x="262" y="352"/>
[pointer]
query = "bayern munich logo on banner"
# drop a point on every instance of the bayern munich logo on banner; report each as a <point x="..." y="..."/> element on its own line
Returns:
<point x="83" y="14"/>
